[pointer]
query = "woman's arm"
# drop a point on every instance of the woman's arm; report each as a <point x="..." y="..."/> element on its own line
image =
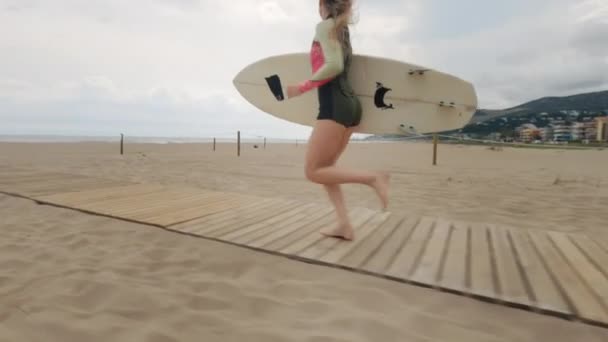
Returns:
<point x="327" y="63"/>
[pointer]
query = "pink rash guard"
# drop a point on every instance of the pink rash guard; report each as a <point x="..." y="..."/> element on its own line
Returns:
<point x="326" y="57"/>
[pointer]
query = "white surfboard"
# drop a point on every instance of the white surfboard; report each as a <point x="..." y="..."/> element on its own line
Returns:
<point x="397" y="97"/>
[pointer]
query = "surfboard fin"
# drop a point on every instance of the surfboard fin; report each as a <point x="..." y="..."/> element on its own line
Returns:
<point x="418" y="71"/>
<point x="408" y="130"/>
<point x="274" y="83"/>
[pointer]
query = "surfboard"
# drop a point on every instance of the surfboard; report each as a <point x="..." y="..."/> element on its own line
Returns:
<point x="397" y="97"/>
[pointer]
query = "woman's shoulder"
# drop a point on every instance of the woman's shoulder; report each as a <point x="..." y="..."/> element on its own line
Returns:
<point x="326" y="24"/>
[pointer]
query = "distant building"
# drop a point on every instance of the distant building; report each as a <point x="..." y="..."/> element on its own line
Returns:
<point x="494" y="136"/>
<point x="602" y="129"/>
<point x="584" y="130"/>
<point x="546" y="133"/>
<point x="528" y="132"/>
<point x="561" y="131"/>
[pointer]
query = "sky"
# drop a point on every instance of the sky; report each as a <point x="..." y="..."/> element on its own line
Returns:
<point x="165" y="67"/>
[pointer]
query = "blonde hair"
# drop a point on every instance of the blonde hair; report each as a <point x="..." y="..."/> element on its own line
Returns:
<point x="342" y="12"/>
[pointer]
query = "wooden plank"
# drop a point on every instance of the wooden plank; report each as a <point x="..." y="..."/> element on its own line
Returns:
<point x="454" y="275"/>
<point x="407" y="257"/>
<point x="311" y="229"/>
<point x="199" y="209"/>
<point x="368" y="247"/>
<point x="129" y="202"/>
<point x="196" y="210"/>
<point x="383" y="257"/>
<point x="593" y="251"/>
<point x="578" y="296"/>
<point x="291" y="216"/>
<point x="106" y="198"/>
<point x="131" y="208"/>
<point x="163" y="198"/>
<point x="37" y="193"/>
<point x="298" y="246"/>
<point x="341" y="250"/>
<point x="595" y="281"/>
<point x="38" y="181"/>
<point x="203" y="201"/>
<point x="543" y="291"/>
<point x="237" y="221"/>
<point x="279" y="213"/>
<point x="183" y="209"/>
<point x="154" y="201"/>
<point x="322" y="244"/>
<point x="482" y="273"/>
<point x="290" y="229"/>
<point x="241" y="213"/>
<point x="427" y="270"/>
<point x="100" y="195"/>
<point x="603" y="242"/>
<point x="303" y="216"/>
<point x="66" y="186"/>
<point x="512" y="285"/>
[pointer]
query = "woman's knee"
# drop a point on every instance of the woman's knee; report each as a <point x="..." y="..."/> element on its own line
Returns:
<point x="310" y="172"/>
<point x="324" y="147"/>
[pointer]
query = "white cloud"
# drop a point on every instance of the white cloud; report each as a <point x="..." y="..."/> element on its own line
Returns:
<point x="591" y="10"/>
<point x="165" y="67"/>
<point x="554" y="52"/>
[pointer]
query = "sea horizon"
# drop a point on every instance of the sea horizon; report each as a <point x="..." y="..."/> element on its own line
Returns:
<point x="60" y="138"/>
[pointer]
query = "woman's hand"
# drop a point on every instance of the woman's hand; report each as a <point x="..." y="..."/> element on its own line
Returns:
<point x="293" y="91"/>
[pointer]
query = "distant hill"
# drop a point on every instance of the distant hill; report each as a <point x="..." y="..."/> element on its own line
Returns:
<point x="574" y="108"/>
<point x="580" y="107"/>
<point x="588" y="102"/>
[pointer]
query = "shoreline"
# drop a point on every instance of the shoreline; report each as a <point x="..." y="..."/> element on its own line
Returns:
<point x="128" y="140"/>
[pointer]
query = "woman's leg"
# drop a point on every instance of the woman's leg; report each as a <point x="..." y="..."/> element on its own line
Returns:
<point x="325" y="143"/>
<point x="344" y="228"/>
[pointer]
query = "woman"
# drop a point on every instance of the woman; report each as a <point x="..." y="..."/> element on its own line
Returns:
<point x="339" y="113"/>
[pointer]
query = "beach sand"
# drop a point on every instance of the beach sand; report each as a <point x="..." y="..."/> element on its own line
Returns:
<point x="68" y="276"/>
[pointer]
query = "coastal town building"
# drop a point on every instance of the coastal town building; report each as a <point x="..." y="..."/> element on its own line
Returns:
<point x="528" y="132"/>
<point x="602" y="129"/>
<point x="586" y="130"/>
<point x="561" y="131"/>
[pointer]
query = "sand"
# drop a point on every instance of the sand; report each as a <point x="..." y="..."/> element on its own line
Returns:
<point x="68" y="276"/>
<point x="524" y="188"/>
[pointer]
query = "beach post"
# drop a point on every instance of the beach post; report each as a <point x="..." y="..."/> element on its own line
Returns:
<point x="238" y="143"/>
<point x="264" y="143"/>
<point x="435" y="138"/>
<point x="121" y="144"/>
<point x="213" y="144"/>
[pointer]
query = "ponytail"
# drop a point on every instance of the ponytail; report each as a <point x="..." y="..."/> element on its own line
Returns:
<point x="341" y="10"/>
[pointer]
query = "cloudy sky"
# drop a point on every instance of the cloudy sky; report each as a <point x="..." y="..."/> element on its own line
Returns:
<point x="165" y="67"/>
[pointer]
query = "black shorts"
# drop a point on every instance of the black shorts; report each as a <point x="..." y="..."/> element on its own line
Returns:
<point x="340" y="104"/>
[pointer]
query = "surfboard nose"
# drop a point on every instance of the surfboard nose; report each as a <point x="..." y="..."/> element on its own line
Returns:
<point x="236" y="78"/>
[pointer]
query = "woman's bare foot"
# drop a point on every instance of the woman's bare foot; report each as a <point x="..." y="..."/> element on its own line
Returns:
<point x="381" y="187"/>
<point x="343" y="231"/>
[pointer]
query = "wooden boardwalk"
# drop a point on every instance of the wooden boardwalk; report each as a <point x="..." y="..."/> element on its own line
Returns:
<point x="545" y="271"/>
